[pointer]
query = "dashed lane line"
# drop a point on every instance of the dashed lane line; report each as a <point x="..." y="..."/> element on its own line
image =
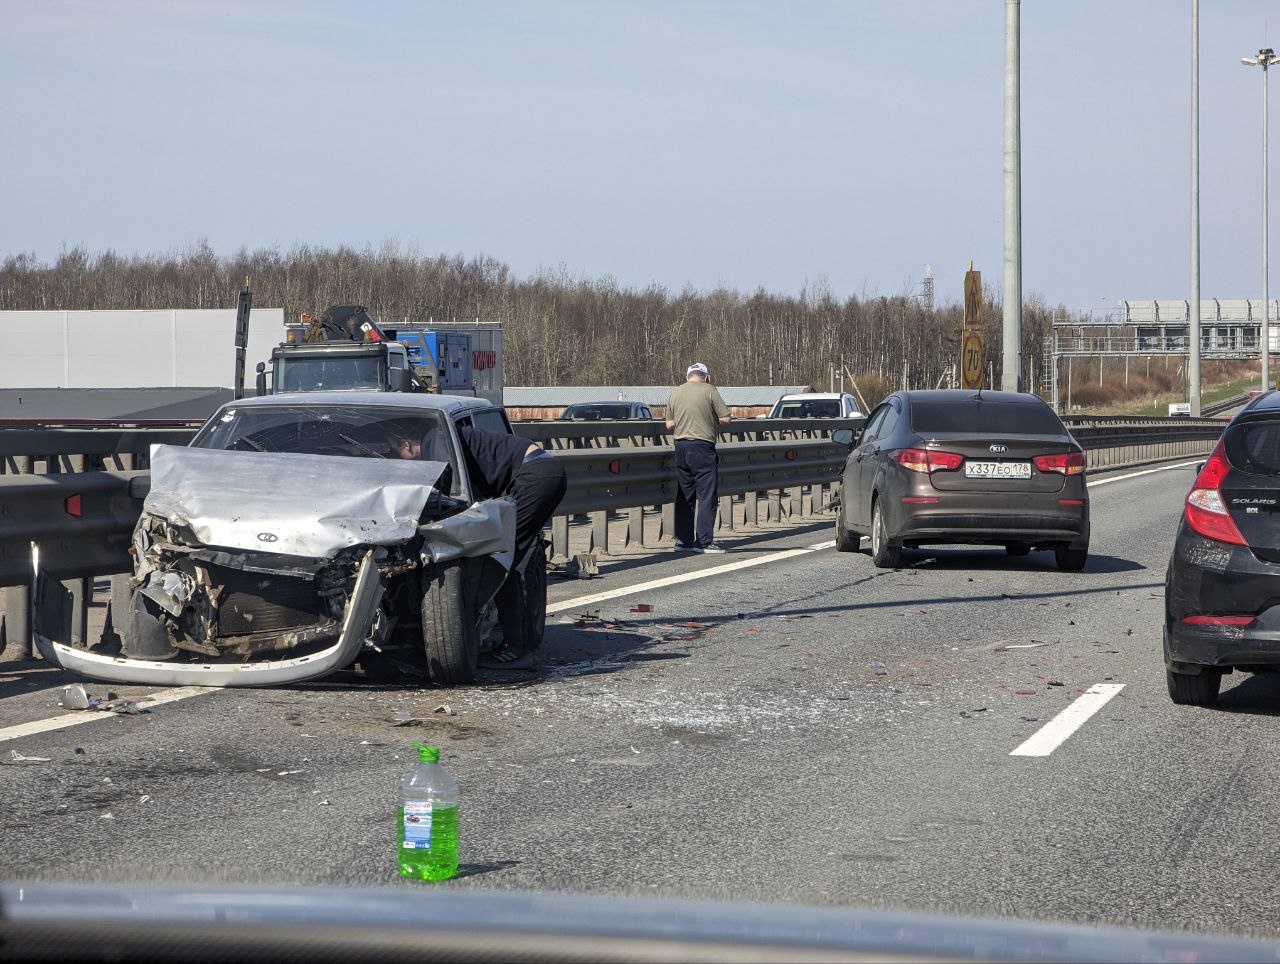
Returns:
<point x="88" y="716"/>
<point x="653" y="584"/>
<point x="1054" y="733"/>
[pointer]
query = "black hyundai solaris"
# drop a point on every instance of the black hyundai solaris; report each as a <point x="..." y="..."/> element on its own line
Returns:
<point x="1222" y="590"/>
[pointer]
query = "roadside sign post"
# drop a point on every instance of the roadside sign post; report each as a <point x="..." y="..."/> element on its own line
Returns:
<point x="972" y="342"/>
<point x="242" y="335"/>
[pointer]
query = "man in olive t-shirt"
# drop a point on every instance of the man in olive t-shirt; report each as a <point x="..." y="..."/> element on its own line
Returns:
<point x="695" y="413"/>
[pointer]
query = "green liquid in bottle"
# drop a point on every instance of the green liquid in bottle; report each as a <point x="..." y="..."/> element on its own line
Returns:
<point x="439" y="861"/>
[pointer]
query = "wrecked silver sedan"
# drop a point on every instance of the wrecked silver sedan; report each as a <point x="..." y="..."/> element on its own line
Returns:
<point x="293" y="538"/>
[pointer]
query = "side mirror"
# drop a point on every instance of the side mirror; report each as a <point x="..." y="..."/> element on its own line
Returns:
<point x="1199" y="468"/>
<point x="261" y="379"/>
<point x="843" y="436"/>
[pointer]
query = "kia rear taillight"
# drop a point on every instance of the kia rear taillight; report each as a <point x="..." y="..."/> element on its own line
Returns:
<point x="1205" y="512"/>
<point x="1068" y="463"/>
<point x="927" y="460"/>
<point x="1204" y="619"/>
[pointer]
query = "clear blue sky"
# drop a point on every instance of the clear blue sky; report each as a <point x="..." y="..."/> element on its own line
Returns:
<point x="739" y="143"/>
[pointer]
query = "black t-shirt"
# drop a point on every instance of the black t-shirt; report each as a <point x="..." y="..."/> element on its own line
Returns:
<point x="492" y="459"/>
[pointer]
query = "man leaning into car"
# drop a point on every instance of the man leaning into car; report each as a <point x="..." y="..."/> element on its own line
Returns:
<point x="500" y="464"/>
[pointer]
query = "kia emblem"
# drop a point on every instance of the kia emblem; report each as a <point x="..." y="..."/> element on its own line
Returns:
<point x="999" y="448"/>
<point x="267" y="537"/>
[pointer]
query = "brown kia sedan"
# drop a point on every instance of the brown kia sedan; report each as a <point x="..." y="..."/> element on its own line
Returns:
<point x="959" y="466"/>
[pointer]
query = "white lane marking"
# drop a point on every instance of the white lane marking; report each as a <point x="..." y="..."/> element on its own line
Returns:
<point x="1134" y="475"/>
<point x="1054" y="733"/>
<point x="684" y="577"/>
<point x="88" y="716"/>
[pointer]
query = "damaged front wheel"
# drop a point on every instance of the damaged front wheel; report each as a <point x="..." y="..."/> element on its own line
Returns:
<point x="449" y="627"/>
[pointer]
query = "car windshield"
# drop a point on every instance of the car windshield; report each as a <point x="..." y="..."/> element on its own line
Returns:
<point x="352" y="432"/>
<point x="984" y="417"/>
<point x="809" y="408"/>
<point x="596" y="411"/>
<point x="316" y="374"/>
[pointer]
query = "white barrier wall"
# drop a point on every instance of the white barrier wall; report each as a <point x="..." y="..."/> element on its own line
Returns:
<point x="131" y="349"/>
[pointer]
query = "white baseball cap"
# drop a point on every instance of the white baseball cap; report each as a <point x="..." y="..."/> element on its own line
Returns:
<point x="697" y="368"/>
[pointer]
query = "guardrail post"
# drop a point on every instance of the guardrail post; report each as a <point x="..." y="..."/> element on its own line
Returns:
<point x="725" y="518"/>
<point x="560" y="537"/>
<point x="775" y="505"/>
<point x="667" y="530"/>
<point x="600" y="531"/>
<point x="796" y="509"/>
<point x="635" y="526"/>
<point x="81" y="593"/>
<point x="752" y="500"/>
<point x="15" y="622"/>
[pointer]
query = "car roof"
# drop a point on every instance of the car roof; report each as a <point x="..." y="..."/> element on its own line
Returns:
<point x="1268" y="401"/>
<point x="815" y="395"/>
<point x="606" y="401"/>
<point x="450" y="404"/>
<point x="957" y="394"/>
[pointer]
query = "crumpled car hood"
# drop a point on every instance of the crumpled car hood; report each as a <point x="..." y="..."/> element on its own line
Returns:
<point x="299" y="505"/>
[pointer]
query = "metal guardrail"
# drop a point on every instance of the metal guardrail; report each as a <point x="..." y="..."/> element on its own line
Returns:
<point x="83" y="519"/>
<point x="1226" y="405"/>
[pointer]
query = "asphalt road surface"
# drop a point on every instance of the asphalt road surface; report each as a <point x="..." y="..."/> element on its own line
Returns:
<point x="824" y="732"/>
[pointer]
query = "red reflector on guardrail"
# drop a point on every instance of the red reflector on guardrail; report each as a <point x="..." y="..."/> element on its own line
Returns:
<point x="791" y="455"/>
<point x="72" y="505"/>
<point x="615" y="466"/>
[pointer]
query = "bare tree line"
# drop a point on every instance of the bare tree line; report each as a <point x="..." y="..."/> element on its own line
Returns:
<point x="559" y="329"/>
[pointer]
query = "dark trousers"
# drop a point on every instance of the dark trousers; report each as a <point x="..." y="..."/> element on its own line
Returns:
<point x="699" y="487"/>
<point x="537" y="487"/>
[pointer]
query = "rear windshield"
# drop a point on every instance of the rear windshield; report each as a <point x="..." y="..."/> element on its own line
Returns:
<point x="1254" y="447"/>
<point x="810" y="408"/>
<point x="983" y="417"/>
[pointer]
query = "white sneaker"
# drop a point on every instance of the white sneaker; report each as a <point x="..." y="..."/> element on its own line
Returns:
<point x="713" y="548"/>
<point x="682" y="547"/>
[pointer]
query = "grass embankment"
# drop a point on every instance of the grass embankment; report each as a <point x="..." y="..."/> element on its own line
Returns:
<point x="1153" y="395"/>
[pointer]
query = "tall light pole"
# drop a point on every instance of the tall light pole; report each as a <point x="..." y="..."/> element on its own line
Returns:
<point x="1011" y="367"/>
<point x="1266" y="57"/>
<point x="1193" y="367"/>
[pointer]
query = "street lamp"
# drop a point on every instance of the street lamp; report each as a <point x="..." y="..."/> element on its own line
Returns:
<point x="1265" y="58"/>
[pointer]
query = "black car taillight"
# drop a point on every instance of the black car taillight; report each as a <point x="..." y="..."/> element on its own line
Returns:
<point x="1205" y="511"/>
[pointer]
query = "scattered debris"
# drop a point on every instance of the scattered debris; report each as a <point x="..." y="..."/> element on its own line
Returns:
<point x="584" y="565"/>
<point x="17" y="757"/>
<point x="323" y="803"/>
<point x="642" y="608"/>
<point x="289" y="773"/>
<point x="1031" y="719"/>
<point x="74" y="697"/>
<point x="1056" y="682"/>
<point x="405" y="718"/>
<point x="795" y="616"/>
<point x="108" y="815"/>
<point x="1024" y="692"/>
<point x="446" y="709"/>
<point x="144" y="798"/>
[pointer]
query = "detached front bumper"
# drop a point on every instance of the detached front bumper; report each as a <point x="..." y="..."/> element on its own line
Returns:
<point x="357" y="621"/>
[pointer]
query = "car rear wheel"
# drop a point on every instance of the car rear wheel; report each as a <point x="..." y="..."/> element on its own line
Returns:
<point x="883" y="553"/>
<point x="1070" y="560"/>
<point x="1198" y="689"/>
<point x="450" y="633"/>
<point x="846" y="539"/>
<point x="1017" y="549"/>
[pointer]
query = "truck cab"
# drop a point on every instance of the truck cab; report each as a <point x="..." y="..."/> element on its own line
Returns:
<point x="339" y="366"/>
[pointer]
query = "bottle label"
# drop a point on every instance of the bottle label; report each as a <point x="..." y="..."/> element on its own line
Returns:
<point x="417" y="825"/>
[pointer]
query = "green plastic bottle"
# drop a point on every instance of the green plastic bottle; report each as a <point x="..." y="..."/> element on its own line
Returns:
<point x="428" y="819"/>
